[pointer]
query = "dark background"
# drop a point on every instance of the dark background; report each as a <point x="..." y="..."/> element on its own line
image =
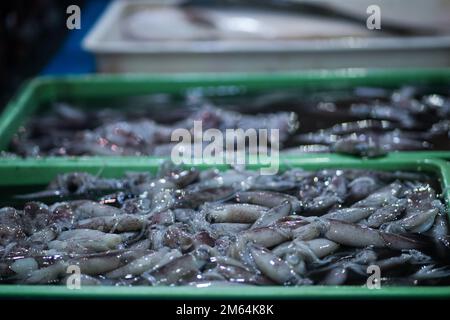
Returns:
<point x="34" y="41"/>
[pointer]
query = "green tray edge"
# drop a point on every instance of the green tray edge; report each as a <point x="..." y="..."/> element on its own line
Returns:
<point x="47" y="88"/>
<point x="186" y="293"/>
<point x="314" y="292"/>
<point x="19" y="171"/>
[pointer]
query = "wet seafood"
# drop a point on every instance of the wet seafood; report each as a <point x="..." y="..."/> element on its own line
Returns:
<point x="361" y="122"/>
<point x="271" y="230"/>
<point x="127" y="135"/>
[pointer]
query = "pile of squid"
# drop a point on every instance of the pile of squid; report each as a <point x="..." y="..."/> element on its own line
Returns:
<point x="368" y="122"/>
<point x="235" y="227"/>
<point x="376" y="121"/>
<point x="72" y="132"/>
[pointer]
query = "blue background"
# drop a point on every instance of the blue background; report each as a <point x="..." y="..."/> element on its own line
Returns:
<point x="71" y="58"/>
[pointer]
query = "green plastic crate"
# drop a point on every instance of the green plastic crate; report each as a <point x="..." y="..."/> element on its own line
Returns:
<point x="47" y="89"/>
<point x="40" y="171"/>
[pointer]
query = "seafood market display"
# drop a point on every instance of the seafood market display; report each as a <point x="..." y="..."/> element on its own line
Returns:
<point x="366" y="122"/>
<point x="61" y="134"/>
<point x="235" y="227"/>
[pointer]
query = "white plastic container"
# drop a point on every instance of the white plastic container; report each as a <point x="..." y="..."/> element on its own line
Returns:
<point x="116" y="54"/>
